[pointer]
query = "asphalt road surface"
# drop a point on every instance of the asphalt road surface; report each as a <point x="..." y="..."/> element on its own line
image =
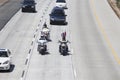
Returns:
<point x="95" y="39"/>
<point x="93" y="31"/>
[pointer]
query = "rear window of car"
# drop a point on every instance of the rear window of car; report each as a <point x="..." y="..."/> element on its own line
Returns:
<point x="61" y="1"/>
<point x="58" y="12"/>
<point x="29" y="2"/>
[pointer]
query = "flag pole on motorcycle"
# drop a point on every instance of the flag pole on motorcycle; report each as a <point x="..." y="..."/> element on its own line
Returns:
<point x="63" y="36"/>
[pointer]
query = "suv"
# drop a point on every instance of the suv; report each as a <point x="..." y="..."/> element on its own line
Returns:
<point x="28" y="5"/>
<point x="58" y="16"/>
<point x="61" y="3"/>
<point x="5" y="59"/>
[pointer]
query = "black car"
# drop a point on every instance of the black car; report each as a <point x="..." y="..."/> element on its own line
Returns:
<point x="28" y="6"/>
<point x="57" y="16"/>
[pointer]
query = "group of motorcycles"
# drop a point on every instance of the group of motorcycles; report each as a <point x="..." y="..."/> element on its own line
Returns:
<point x="45" y="37"/>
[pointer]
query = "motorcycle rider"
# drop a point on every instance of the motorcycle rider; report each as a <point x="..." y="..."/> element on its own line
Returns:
<point x="45" y="31"/>
<point x="45" y="28"/>
<point x="63" y="42"/>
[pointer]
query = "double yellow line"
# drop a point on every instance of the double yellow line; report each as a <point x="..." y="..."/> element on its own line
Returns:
<point x="104" y="34"/>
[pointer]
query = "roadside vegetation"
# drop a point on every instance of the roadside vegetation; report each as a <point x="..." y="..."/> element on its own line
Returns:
<point x="118" y="3"/>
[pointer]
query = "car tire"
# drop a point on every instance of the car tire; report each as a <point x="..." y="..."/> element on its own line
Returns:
<point x="65" y="23"/>
<point x="9" y="69"/>
<point x="34" y="10"/>
<point x="23" y="10"/>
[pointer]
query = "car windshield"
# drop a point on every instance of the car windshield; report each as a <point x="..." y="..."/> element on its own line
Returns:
<point x="3" y="54"/>
<point x="61" y="1"/>
<point x="58" y="13"/>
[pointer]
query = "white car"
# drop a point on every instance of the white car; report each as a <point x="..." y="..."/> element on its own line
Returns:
<point x="5" y="59"/>
<point x="61" y="3"/>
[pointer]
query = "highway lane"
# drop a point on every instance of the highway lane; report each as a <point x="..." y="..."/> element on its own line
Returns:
<point x="110" y="26"/>
<point x="52" y="65"/>
<point x="95" y="35"/>
<point x="17" y="36"/>
<point x="92" y="56"/>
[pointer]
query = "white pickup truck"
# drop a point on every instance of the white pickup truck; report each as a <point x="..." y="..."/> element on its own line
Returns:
<point x="61" y="3"/>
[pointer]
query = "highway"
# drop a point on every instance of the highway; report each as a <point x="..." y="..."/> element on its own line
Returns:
<point x="95" y="40"/>
<point x="93" y="32"/>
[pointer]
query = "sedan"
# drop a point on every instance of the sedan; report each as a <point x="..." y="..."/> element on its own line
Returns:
<point x="57" y="16"/>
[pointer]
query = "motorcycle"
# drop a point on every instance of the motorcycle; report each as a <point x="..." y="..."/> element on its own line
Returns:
<point x="63" y="47"/>
<point x="42" y="47"/>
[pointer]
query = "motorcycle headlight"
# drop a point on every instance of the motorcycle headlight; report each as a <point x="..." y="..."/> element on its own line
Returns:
<point x="41" y="47"/>
<point x="6" y="62"/>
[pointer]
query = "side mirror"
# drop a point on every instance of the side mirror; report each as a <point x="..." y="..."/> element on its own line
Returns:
<point x="68" y="41"/>
<point x="59" y="41"/>
<point x="11" y="56"/>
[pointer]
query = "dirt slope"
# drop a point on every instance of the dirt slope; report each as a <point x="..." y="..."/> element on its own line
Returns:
<point x="3" y="2"/>
<point x="114" y="7"/>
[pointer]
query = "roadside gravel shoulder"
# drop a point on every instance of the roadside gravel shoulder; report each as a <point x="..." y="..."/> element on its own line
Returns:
<point x="7" y="10"/>
<point x="114" y="7"/>
<point x="2" y="2"/>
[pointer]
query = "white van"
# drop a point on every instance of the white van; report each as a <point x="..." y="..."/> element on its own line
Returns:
<point x="61" y="3"/>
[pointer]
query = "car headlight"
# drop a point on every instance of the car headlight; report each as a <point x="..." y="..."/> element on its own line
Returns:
<point x="6" y="62"/>
<point x="23" y="6"/>
<point x="32" y="6"/>
<point x="52" y="19"/>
